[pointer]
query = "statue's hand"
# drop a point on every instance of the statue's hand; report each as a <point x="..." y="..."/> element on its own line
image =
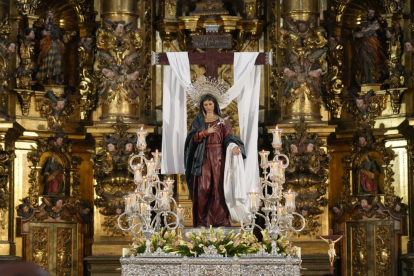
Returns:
<point x="236" y="150"/>
<point x="212" y="129"/>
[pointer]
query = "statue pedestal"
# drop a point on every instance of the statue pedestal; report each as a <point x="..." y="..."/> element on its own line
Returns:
<point x="160" y="263"/>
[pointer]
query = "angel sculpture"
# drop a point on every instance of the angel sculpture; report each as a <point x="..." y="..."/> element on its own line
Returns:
<point x="56" y="109"/>
<point x="117" y="62"/>
<point x="306" y="59"/>
<point x="362" y="103"/>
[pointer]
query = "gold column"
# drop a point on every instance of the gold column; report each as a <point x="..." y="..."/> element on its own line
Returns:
<point x="115" y="10"/>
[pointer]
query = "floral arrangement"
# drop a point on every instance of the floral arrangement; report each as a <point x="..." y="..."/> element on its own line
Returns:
<point x="193" y="243"/>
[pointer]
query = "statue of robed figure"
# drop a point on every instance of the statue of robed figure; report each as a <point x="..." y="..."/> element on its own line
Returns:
<point x="207" y="144"/>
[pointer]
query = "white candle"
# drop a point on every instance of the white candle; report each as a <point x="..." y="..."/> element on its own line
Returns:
<point x="180" y="212"/>
<point x="170" y="184"/>
<point x="298" y="252"/>
<point x="290" y="201"/>
<point x="264" y="158"/>
<point x="254" y="200"/>
<point x="276" y="137"/>
<point x="164" y="199"/>
<point x="133" y="202"/>
<point x="273" y="168"/>
<point x="141" y="143"/>
<point x="157" y="158"/>
<point x="143" y="208"/>
<point x="281" y="172"/>
<point x="279" y="212"/>
<point x="125" y="252"/>
<point x="127" y="204"/>
<point x="138" y="174"/>
<point x="150" y="168"/>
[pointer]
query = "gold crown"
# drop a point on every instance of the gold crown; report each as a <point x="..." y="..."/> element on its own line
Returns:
<point x="206" y="85"/>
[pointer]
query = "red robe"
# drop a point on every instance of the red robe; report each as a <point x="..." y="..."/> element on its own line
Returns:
<point x="209" y="204"/>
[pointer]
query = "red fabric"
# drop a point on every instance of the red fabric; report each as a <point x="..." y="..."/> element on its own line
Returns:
<point x="209" y="205"/>
<point x="54" y="185"/>
<point x="368" y="183"/>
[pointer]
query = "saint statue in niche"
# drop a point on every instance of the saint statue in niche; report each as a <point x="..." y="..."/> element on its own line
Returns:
<point x="370" y="57"/>
<point x="52" y="49"/>
<point x="53" y="177"/>
<point x="369" y="176"/>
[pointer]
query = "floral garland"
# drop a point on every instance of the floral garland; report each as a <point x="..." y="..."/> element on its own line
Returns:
<point x="193" y="243"/>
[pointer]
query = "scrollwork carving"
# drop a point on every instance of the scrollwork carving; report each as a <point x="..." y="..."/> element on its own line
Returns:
<point x="40" y="249"/>
<point x="393" y="6"/>
<point x="87" y="87"/>
<point x="307" y="174"/>
<point x="359" y="251"/>
<point x="113" y="178"/>
<point x="383" y="250"/>
<point x="27" y="7"/>
<point x="64" y="251"/>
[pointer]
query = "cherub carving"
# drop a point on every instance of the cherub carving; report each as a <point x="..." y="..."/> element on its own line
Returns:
<point x="117" y="62"/>
<point x="56" y="109"/>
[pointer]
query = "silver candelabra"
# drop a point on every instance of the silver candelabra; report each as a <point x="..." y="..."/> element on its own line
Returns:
<point x="278" y="217"/>
<point x="151" y="204"/>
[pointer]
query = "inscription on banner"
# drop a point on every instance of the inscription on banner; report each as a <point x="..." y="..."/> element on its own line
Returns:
<point x="212" y="41"/>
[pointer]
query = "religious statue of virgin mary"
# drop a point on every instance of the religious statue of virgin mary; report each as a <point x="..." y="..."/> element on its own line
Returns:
<point x="209" y="148"/>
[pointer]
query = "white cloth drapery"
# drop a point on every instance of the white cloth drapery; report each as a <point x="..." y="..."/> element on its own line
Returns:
<point x="177" y="78"/>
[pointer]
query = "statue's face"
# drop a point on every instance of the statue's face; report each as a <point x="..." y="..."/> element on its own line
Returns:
<point x="50" y="16"/>
<point x="129" y="147"/>
<point x="59" y="141"/>
<point x="397" y="207"/>
<point x="309" y="148"/>
<point x="302" y="27"/>
<point x="362" y="141"/>
<point x="30" y="36"/>
<point x="360" y="103"/>
<point x="408" y="47"/>
<point x="60" y="105"/>
<point x="119" y="30"/>
<point x="59" y="203"/>
<point x="364" y="203"/>
<point x="336" y="210"/>
<point x="294" y="148"/>
<point x="89" y="42"/>
<point x="208" y="106"/>
<point x="370" y="14"/>
<point x="111" y="147"/>
<point x="12" y="48"/>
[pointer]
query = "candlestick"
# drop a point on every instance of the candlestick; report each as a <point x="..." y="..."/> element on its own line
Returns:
<point x="290" y="201"/>
<point x="253" y="203"/>
<point x="157" y="159"/>
<point x="264" y="163"/>
<point x="170" y="184"/>
<point x="127" y="203"/>
<point x="180" y="212"/>
<point x="150" y="168"/>
<point x="277" y="137"/>
<point x="164" y="199"/>
<point x="273" y="169"/>
<point x="137" y="174"/>
<point x="141" y="143"/>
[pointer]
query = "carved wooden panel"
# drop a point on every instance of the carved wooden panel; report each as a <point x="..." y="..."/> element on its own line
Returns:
<point x="54" y="247"/>
<point x="370" y="248"/>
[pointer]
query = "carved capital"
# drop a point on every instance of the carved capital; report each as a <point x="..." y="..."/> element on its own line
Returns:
<point x="27" y="7"/>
